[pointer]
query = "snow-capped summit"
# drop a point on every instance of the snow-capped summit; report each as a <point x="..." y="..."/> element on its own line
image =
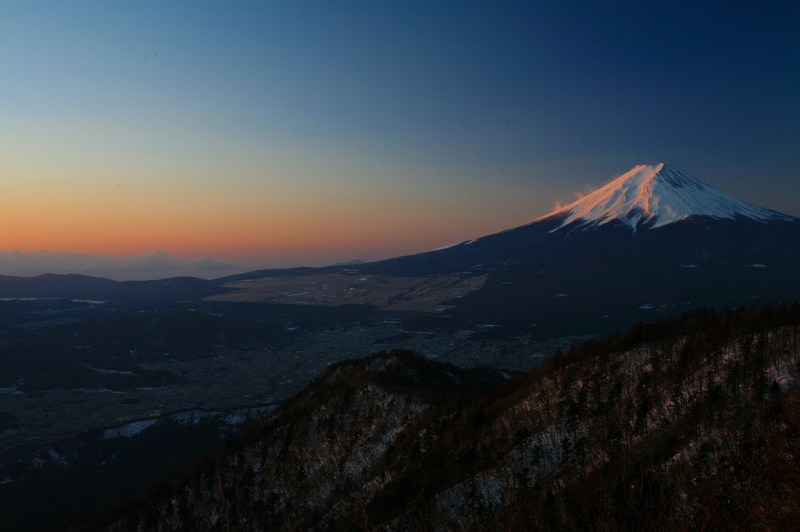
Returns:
<point x="654" y="195"/>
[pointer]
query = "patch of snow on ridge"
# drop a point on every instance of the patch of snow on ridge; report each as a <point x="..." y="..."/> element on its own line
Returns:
<point x="657" y="195"/>
<point x="190" y="417"/>
<point x="448" y="246"/>
<point x="128" y="431"/>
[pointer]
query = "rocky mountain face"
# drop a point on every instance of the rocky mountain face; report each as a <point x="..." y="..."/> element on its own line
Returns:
<point x="687" y="424"/>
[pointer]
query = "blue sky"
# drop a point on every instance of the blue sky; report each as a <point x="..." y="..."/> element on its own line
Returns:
<point x="307" y="132"/>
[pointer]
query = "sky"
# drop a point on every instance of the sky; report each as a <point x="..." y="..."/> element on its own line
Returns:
<point x="145" y="139"/>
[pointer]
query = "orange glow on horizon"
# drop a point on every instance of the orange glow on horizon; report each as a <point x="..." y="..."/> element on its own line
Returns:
<point x="268" y="219"/>
<point x="71" y="219"/>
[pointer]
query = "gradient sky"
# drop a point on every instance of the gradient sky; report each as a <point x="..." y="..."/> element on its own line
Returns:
<point x="146" y="138"/>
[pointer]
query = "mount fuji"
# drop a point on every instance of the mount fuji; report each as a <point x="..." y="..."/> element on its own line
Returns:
<point x="656" y="195"/>
<point x="652" y="242"/>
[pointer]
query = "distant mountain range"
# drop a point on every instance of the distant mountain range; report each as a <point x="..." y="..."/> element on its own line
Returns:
<point x="653" y="242"/>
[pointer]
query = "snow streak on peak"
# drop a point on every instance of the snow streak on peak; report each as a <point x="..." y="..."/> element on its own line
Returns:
<point x="656" y="195"/>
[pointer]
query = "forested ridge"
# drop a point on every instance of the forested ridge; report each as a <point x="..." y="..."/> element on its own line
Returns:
<point x="688" y="424"/>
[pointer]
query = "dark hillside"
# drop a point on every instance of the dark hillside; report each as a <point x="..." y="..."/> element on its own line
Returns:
<point x="691" y="424"/>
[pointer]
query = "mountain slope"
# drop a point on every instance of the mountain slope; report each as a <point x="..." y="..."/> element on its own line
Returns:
<point x="327" y="441"/>
<point x="691" y="424"/>
<point x="657" y="195"/>
<point x="651" y="243"/>
<point x="650" y="196"/>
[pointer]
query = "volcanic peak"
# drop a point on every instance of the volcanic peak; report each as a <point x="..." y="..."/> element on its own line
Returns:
<point x="654" y="195"/>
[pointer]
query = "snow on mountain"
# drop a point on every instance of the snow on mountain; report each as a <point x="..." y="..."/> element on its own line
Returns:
<point x="130" y="430"/>
<point x="656" y="195"/>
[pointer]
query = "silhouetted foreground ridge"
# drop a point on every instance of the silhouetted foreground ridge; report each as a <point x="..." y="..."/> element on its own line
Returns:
<point x="688" y="424"/>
